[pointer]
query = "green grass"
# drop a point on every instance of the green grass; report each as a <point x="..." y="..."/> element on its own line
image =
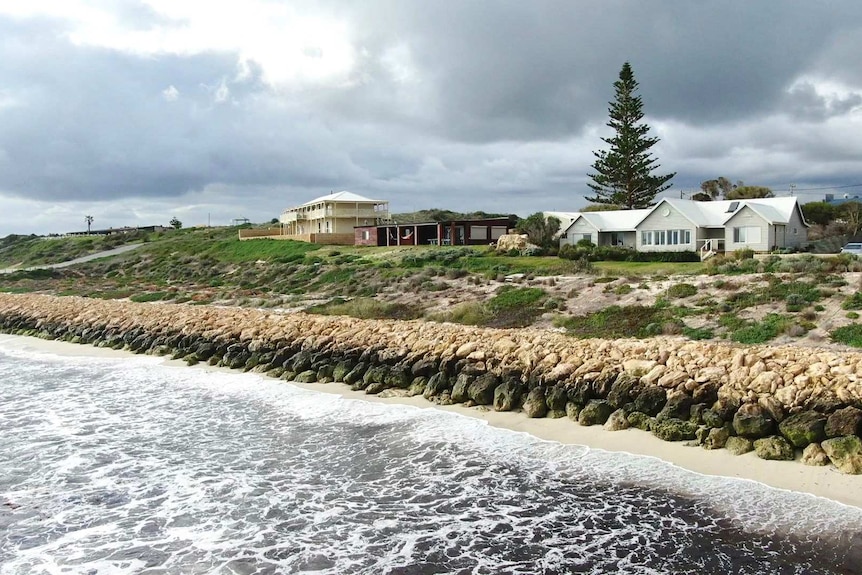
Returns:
<point x="762" y="331"/>
<point x="616" y="322"/>
<point x="148" y="297"/>
<point x="26" y="251"/>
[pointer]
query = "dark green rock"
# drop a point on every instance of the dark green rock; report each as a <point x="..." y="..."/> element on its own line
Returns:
<point x="596" y="412"/>
<point x="803" y="428"/>
<point x="341" y="369"/>
<point x="534" y="404"/>
<point x="774" y="448"/>
<point x="436" y="385"/>
<point x="417" y="387"/>
<point x="624" y="390"/>
<point x="673" y="429"/>
<point x="572" y="410"/>
<point x="398" y="376"/>
<point x="507" y="395"/>
<point x="376" y="374"/>
<point x="716" y="438"/>
<point x="556" y="398"/>
<point x="711" y="418"/>
<point x="846" y="421"/>
<point x="459" y="390"/>
<point x="481" y="391"/>
<point x="356" y="374"/>
<point x="678" y="406"/>
<point x="752" y="421"/>
<point x="651" y="400"/>
<point x="375" y="388"/>
<point x="307" y="376"/>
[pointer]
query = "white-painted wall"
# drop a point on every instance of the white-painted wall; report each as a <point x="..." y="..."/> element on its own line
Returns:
<point x="578" y="230"/>
<point x="665" y="218"/>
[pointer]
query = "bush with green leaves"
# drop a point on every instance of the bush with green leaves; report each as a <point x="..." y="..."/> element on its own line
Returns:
<point x="853" y="302"/>
<point x="849" y="335"/>
<point x="681" y="290"/>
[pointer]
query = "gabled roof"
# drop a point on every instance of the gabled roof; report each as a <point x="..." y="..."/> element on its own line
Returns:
<point x="342" y="196"/>
<point x="702" y="214"/>
<point x="610" y="221"/>
<point x="717" y="213"/>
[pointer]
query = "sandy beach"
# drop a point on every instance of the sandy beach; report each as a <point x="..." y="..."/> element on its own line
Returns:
<point x="794" y="476"/>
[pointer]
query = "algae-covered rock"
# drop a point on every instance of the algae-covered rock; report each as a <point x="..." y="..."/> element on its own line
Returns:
<point x="739" y="445"/>
<point x="813" y="454"/>
<point x="624" y="389"/>
<point x="341" y="369"/>
<point x="375" y="387"/>
<point x="845" y="453"/>
<point x="356" y="374"/>
<point x="534" y="404"/>
<point x="596" y="412"/>
<point x="678" y="406"/>
<point x="846" y="421"/>
<point x="803" y="428"/>
<point x="674" y="429"/>
<point x="651" y="400"/>
<point x="617" y="421"/>
<point x="398" y="376"/>
<point x="376" y="374"/>
<point x="711" y="418"/>
<point x="752" y="421"/>
<point x="640" y="420"/>
<point x="436" y="385"/>
<point x="556" y="398"/>
<point x="307" y="376"/>
<point x="459" y="390"/>
<point x="716" y="438"/>
<point x="572" y="410"/>
<point x="774" y="448"/>
<point x="481" y="391"/>
<point x="507" y="395"/>
<point x="417" y="387"/>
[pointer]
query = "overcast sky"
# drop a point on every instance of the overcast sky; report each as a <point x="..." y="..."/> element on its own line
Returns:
<point x="134" y="111"/>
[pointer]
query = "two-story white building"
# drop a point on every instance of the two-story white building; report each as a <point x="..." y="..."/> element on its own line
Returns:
<point x="760" y="224"/>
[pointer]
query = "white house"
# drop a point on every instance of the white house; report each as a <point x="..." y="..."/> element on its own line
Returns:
<point x="678" y="225"/>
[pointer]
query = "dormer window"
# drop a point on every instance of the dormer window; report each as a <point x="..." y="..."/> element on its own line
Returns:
<point x="733" y="207"/>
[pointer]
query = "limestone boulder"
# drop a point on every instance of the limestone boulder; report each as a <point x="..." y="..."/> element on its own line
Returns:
<point x="845" y="453"/>
<point x="617" y="421"/>
<point x="716" y="438"/>
<point x="813" y="454"/>
<point x="739" y="445"/>
<point x="640" y="420"/>
<point x="774" y="448"/>
<point x="510" y="242"/>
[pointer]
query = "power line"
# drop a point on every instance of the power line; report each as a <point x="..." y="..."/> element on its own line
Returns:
<point x="793" y="188"/>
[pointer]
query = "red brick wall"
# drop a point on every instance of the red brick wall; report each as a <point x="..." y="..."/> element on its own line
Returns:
<point x="372" y="236"/>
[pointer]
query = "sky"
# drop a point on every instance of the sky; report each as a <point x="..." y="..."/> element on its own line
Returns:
<point x="137" y="111"/>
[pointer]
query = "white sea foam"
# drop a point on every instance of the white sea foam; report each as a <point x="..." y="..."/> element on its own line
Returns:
<point x="124" y="465"/>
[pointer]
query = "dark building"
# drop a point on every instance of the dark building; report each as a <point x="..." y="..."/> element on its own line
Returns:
<point x="448" y="233"/>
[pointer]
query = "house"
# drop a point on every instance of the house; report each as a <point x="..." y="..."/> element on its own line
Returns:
<point x="328" y="219"/>
<point x="760" y="224"/>
<point x="455" y="233"/>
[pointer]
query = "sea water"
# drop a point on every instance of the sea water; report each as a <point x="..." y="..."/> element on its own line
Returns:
<point x="127" y="465"/>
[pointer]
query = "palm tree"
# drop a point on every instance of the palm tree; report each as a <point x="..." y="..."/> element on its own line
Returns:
<point x="89" y="220"/>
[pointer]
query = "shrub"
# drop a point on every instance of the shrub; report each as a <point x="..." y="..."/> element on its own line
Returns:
<point x="623" y="289"/>
<point x="849" y="335"/>
<point x="148" y="297"/>
<point x="765" y="330"/>
<point x="682" y="290"/>
<point x="852" y="315"/>
<point x="467" y="313"/>
<point x="367" y="308"/>
<point x="697" y="333"/>
<point x="853" y="302"/>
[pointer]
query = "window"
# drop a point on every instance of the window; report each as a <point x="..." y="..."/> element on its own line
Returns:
<point x="478" y="232"/>
<point x="746" y="235"/>
<point x="666" y="237"/>
<point x="588" y="237"/>
<point x="366" y="234"/>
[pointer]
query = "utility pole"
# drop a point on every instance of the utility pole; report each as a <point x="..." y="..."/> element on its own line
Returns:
<point x="792" y="189"/>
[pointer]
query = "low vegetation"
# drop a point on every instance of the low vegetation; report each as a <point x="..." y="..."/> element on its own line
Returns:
<point x="746" y="300"/>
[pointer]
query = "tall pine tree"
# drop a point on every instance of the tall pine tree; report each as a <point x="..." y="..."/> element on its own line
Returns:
<point x="623" y="173"/>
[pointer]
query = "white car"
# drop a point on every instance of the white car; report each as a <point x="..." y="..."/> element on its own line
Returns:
<point x="855" y="249"/>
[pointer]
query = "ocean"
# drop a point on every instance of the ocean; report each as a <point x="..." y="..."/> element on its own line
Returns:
<point x="114" y="465"/>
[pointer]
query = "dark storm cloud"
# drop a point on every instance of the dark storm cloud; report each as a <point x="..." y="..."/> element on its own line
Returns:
<point x="467" y="105"/>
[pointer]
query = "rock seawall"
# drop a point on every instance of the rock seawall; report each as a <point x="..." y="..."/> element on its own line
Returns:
<point x="776" y="400"/>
